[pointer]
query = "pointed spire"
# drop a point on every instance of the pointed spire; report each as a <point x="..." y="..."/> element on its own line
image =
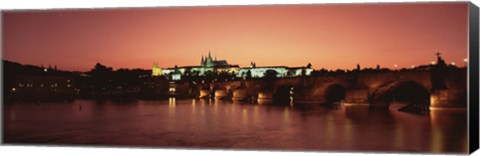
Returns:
<point x="215" y="57"/>
<point x="203" y="61"/>
<point x="209" y="55"/>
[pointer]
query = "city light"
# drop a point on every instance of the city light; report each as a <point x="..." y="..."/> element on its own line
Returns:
<point x="453" y="63"/>
<point x="433" y="62"/>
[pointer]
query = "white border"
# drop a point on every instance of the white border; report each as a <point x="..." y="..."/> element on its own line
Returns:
<point x="6" y="5"/>
<point x="60" y="4"/>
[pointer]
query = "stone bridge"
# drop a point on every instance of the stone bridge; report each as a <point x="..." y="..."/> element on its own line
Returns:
<point x="378" y="89"/>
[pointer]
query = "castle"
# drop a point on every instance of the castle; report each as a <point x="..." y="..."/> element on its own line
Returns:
<point x="212" y="65"/>
<point x="208" y="61"/>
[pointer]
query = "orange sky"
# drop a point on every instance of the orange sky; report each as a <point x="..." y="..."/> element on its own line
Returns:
<point x="328" y="36"/>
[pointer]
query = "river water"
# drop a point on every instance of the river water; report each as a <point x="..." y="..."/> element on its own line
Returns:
<point x="229" y="125"/>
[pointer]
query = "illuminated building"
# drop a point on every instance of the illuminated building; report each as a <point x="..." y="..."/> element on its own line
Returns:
<point x="156" y="71"/>
<point x="207" y="65"/>
<point x="280" y="71"/>
<point x="44" y="86"/>
<point x="212" y="65"/>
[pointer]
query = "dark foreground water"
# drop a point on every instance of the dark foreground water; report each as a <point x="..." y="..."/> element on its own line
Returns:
<point x="219" y="125"/>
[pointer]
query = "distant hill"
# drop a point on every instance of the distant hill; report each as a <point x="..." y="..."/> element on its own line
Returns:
<point x="13" y="69"/>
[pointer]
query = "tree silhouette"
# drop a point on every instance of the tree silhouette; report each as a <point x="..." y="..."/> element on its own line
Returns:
<point x="248" y="75"/>
<point x="270" y="74"/>
<point x="101" y="78"/>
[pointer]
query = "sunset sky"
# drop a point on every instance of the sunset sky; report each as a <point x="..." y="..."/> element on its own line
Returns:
<point x="328" y="36"/>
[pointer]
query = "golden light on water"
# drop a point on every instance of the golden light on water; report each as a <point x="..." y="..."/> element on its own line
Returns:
<point x="13" y="116"/>
<point x="286" y="115"/>
<point x="245" y="116"/>
<point x="437" y="140"/>
<point x="171" y="105"/>
<point x="399" y="136"/>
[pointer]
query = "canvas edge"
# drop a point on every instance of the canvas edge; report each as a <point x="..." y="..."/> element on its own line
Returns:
<point x="473" y="77"/>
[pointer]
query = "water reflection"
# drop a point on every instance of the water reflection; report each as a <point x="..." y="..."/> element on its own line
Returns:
<point x="244" y="116"/>
<point x="216" y="124"/>
<point x="13" y="115"/>
<point x="171" y="105"/>
<point x="399" y="137"/>
<point x="445" y="124"/>
<point x="286" y="115"/>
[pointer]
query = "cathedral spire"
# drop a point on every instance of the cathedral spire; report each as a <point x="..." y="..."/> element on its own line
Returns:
<point x="203" y="60"/>
<point x="209" y="55"/>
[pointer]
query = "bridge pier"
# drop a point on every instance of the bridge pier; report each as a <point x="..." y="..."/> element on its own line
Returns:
<point x="204" y="93"/>
<point x="239" y="94"/>
<point x="265" y="97"/>
<point x="220" y="94"/>
<point x="449" y="98"/>
<point x="356" y="97"/>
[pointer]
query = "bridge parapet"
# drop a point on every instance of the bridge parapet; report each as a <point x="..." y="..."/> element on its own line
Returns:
<point x="375" y="89"/>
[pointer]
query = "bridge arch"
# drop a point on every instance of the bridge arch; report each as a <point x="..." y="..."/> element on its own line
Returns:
<point x="329" y="92"/>
<point x="284" y="93"/>
<point x="334" y="93"/>
<point x="406" y="91"/>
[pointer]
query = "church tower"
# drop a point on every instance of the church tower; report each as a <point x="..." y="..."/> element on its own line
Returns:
<point x="156" y="70"/>
<point x="209" y="60"/>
